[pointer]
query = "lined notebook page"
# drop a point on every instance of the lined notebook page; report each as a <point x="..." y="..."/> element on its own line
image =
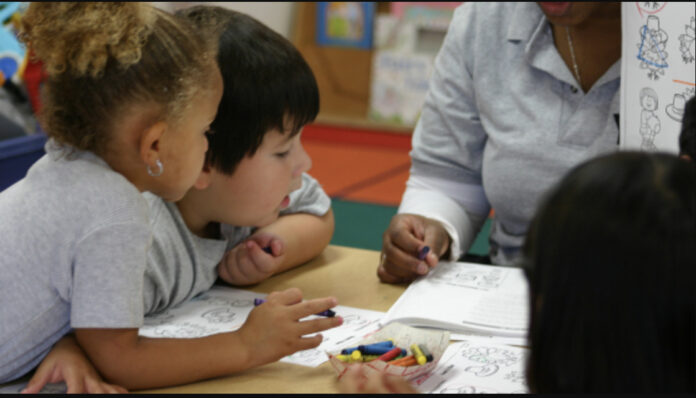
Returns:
<point x="466" y="297"/>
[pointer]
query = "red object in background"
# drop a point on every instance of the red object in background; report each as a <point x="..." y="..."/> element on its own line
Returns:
<point x="33" y="76"/>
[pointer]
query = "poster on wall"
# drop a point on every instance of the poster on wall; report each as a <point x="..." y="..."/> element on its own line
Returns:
<point x="345" y="24"/>
<point x="658" y="73"/>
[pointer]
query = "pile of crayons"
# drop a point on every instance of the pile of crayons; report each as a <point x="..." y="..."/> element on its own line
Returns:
<point x="386" y="351"/>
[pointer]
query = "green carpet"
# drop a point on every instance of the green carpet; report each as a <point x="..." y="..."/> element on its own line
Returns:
<point x="361" y="225"/>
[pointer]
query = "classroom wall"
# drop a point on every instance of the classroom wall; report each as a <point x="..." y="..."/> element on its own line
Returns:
<point x="276" y="15"/>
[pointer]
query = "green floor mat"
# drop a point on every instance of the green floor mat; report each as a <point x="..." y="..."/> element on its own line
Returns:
<point x="361" y="225"/>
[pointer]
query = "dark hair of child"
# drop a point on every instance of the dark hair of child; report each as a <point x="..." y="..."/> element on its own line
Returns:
<point x="268" y="84"/>
<point x="687" y="137"/>
<point x="612" y="274"/>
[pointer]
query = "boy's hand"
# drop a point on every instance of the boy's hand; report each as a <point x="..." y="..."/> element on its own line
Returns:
<point x="273" y="330"/>
<point x="248" y="263"/>
<point x="67" y="362"/>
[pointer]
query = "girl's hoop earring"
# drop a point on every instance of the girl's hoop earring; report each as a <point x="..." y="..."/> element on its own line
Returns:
<point x="159" y="171"/>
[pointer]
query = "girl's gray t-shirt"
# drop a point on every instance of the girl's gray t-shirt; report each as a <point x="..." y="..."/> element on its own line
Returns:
<point x="74" y="236"/>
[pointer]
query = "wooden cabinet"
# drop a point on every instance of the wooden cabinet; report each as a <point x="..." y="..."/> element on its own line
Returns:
<point x="343" y="74"/>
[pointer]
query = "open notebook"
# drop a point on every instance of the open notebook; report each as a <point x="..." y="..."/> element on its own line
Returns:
<point x="466" y="298"/>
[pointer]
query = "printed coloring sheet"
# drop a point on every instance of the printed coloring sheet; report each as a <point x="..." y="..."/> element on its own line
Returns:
<point x="224" y="309"/>
<point x="477" y="366"/>
<point x="657" y="73"/>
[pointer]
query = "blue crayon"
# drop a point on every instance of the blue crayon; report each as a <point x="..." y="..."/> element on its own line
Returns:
<point x="327" y="313"/>
<point x="423" y="252"/>
<point x="268" y="250"/>
<point x="378" y="350"/>
<point x="387" y="343"/>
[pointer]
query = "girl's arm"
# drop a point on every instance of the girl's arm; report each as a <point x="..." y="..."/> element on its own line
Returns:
<point x="271" y="331"/>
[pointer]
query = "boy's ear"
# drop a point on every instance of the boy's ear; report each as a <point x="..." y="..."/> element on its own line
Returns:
<point x="150" y="143"/>
<point x="204" y="179"/>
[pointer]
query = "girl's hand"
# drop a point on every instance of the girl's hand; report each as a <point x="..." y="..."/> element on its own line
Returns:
<point x="273" y="329"/>
<point x="67" y="362"/>
<point x="249" y="263"/>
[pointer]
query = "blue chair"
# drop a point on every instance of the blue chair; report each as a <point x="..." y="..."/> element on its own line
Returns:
<point x="17" y="155"/>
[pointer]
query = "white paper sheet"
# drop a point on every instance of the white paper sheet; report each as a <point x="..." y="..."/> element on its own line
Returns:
<point x="467" y="298"/>
<point x="224" y="309"/>
<point x="477" y="366"/>
<point x="516" y="341"/>
<point x="657" y="72"/>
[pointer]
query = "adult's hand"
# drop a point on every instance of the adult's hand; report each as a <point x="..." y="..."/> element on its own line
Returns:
<point x="403" y="240"/>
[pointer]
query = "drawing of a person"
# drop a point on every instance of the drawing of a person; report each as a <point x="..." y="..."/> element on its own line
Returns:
<point x="649" y="122"/>
<point x="652" y="47"/>
<point x="687" y="42"/>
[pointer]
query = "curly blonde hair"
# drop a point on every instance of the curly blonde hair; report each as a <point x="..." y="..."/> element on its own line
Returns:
<point x="102" y="57"/>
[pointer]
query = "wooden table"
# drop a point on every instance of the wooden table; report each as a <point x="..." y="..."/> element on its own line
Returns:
<point x="346" y="273"/>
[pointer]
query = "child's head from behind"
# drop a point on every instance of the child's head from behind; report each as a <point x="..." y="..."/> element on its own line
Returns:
<point x="255" y="157"/>
<point x="130" y="83"/>
<point x="611" y="265"/>
<point x="687" y="137"/>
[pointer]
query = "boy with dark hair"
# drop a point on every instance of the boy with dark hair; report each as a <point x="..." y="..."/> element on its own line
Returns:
<point x="687" y="137"/>
<point x="253" y="211"/>
<point x="254" y="171"/>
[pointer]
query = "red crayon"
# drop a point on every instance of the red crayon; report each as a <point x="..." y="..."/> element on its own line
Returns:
<point x="389" y="355"/>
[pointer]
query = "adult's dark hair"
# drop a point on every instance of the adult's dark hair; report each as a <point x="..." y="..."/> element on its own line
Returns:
<point x="687" y="137"/>
<point x="267" y="84"/>
<point x="612" y="273"/>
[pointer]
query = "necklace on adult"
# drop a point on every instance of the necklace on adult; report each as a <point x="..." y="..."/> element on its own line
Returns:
<point x="572" y="57"/>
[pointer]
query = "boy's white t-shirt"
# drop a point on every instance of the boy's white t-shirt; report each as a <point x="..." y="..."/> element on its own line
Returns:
<point x="74" y="236"/>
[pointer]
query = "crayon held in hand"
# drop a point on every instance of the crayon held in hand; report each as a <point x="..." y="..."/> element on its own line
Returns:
<point x="423" y="252"/>
<point x="327" y="313"/>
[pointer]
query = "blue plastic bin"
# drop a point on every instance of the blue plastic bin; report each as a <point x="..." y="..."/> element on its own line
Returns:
<point x="17" y="155"/>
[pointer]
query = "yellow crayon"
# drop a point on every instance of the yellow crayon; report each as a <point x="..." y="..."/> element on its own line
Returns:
<point x="356" y="356"/>
<point x="418" y="354"/>
<point x="343" y="358"/>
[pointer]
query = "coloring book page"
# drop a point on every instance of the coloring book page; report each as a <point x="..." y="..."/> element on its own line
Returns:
<point x="477" y="366"/>
<point x="225" y="309"/>
<point x="657" y="73"/>
<point x="467" y="298"/>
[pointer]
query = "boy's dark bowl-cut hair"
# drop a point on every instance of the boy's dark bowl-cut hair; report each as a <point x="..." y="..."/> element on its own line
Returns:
<point x="267" y="84"/>
<point x="611" y="264"/>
